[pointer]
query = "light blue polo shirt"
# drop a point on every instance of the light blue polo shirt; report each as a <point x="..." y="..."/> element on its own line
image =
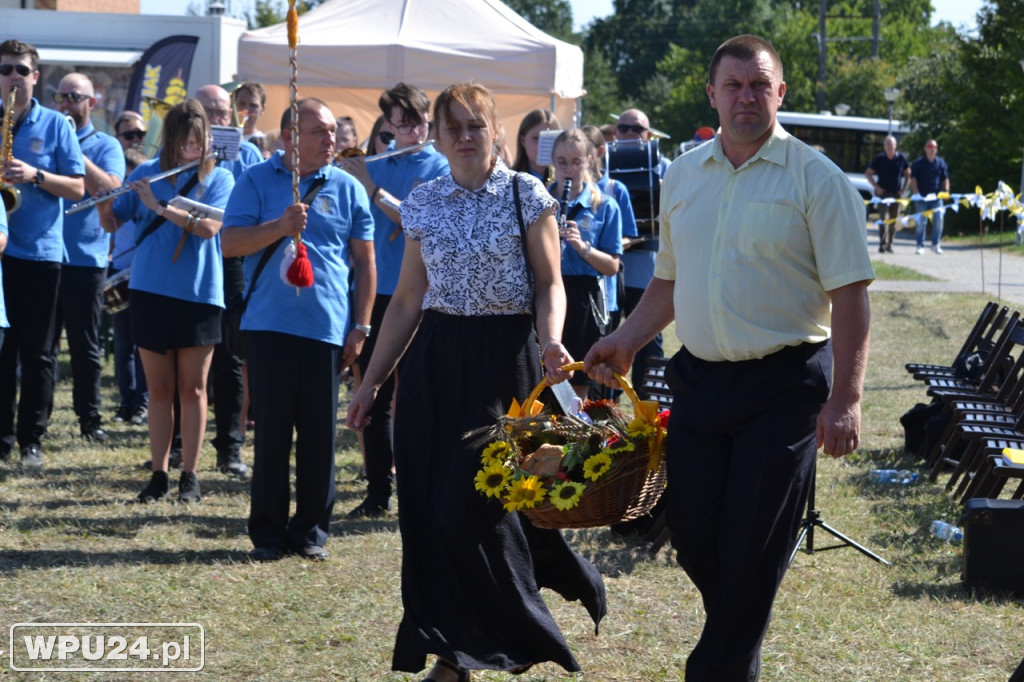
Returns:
<point x="86" y="242"/>
<point x="339" y="213"/>
<point x="601" y="227"/>
<point x="198" y="274"/>
<point x="621" y="195"/>
<point x="46" y="141"/>
<point x="399" y="175"/>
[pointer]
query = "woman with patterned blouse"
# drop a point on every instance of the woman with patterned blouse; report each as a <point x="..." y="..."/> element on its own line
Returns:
<point x="462" y="323"/>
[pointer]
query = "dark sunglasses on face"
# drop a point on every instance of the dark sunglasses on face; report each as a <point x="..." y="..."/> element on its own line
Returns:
<point x="132" y="134"/>
<point x="7" y="69"/>
<point x="626" y="128"/>
<point x="72" y="97"/>
<point x="386" y="136"/>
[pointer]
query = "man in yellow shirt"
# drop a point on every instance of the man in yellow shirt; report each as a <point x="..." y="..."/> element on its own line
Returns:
<point x="763" y="265"/>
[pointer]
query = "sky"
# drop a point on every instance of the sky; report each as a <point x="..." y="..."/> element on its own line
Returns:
<point x="956" y="12"/>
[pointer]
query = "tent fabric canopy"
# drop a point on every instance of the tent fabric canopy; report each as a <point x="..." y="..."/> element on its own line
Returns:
<point x="351" y="50"/>
<point x="376" y="43"/>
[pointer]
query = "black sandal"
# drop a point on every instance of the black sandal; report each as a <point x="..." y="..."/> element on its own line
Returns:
<point x="521" y="669"/>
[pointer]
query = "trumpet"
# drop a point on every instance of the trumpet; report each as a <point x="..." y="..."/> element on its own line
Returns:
<point x="355" y="152"/>
<point x="124" y="189"/>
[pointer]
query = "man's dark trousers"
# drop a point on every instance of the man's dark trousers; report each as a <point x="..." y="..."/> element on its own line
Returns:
<point x="30" y="295"/>
<point x="741" y="449"/>
<point x="294" y="384"/>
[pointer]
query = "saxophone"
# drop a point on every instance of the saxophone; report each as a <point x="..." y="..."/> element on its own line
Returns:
<point x="11" y="194"/>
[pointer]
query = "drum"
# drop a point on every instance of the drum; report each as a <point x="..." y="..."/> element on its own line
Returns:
<point x="635" y="165"/>
<point x="115" y="291"/>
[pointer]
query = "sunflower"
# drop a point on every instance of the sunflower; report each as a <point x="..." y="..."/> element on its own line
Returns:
<point x="492" y="479"/>
<point x="640" y="428"/>
<point x="497" y="452"/>
<point x="525" y="493"/>
<point x="566" y="495"/>
<point x="597" y="465"/>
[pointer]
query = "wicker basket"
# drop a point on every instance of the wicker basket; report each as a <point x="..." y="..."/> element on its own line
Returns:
<point x="626" y="492"/>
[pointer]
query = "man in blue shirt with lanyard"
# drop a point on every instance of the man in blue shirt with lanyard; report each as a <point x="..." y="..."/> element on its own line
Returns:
<point x="84" y="272"/>
<point x="297" y="345"/>
<point x="47" y="166"/>
<point x="406" y="111"/>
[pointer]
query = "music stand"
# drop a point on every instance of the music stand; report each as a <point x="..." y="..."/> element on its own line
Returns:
<point x="813" y="519"/>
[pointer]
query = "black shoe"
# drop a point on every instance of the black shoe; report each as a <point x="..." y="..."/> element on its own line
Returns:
<point x="92" y="431"/>
<point x="173" y="461"/>
<point x="313" y="553"/>
<point x="31" y="459"/>
<point x="157" y="488"/>
<point x="138" y="416"/>
<point x="5" y="452"/>
<point x="370" y="509"/>
<point x="230" y="462"/>
<point x="264" y="553"/>
<point x="188" y="488"/>
<point x="123" y="414"/>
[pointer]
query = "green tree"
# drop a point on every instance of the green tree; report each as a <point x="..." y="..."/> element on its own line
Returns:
<point x="554" y="17"/>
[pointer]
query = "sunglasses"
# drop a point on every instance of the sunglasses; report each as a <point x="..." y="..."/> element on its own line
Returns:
<point x="133" y="134"/>
<point x="386" y="136"/>
<point x="626" y="128"/>
<point x="7" y="69"/>
<point x="73" y="97"/>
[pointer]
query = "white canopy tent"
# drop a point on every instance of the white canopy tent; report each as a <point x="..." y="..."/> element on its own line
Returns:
<point x="351" y="50"/>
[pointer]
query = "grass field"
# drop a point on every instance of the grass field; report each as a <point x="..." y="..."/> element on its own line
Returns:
<point x="75" y="548"/>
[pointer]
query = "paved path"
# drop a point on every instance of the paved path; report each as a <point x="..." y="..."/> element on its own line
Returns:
<point x="959" y="269"/>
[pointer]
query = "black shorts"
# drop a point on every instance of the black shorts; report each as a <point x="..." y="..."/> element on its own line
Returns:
<point x="161" y="323"/>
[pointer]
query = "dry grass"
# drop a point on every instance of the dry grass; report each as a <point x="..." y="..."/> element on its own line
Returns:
<point x="74" y="548"/>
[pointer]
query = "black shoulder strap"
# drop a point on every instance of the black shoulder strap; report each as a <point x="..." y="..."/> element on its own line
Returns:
<point x="159" y="220"/>
<point x="311" y="193"/>
<point x="522" y="227"/>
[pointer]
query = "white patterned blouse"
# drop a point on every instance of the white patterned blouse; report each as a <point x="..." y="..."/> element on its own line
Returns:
<point x="471" y="242"/>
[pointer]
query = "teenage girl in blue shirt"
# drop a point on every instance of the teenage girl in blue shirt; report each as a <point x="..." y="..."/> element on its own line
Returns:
<point x="591" y="246"/>
<point x="176" y="287"/>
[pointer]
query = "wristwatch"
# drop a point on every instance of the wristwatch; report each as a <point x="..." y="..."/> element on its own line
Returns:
<point x="39" y="178"/>
<point x="364" y="328"/>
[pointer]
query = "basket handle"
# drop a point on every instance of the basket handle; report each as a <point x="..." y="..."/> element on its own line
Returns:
<point x="575" y="367"/>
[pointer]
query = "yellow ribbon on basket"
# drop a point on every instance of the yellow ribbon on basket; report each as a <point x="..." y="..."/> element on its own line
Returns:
<point x="644" y="410"/>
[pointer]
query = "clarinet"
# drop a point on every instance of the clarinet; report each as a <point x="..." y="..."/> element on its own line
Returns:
<point x="563" y="206"/>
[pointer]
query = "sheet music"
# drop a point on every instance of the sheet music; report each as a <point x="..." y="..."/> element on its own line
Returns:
<point x="227" y="140"/>
<point x="546" y="145"/>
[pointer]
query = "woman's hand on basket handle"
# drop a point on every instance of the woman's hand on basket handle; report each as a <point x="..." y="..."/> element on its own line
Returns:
<point x="554" y="356"/>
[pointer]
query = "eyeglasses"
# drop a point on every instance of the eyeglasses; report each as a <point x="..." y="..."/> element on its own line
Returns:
<point x="406" y="128"/>
<point x="634" y="128"/>
<point x="386" y="136"/>
<point x="216" y="113"/>
<point x="132" y="135"/>
<point x="22" y="69"/>
<point x="72" y="97"/>
<point x="931" y="146"/>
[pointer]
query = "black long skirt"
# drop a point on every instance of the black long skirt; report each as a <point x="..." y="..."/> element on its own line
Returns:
<point x="471" y="572"/>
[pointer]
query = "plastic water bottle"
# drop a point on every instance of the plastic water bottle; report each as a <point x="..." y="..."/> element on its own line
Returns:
<point x="947" y="531"/>
<point x="900" y="477"/>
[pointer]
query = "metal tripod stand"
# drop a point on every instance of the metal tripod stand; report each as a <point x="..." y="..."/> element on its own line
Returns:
<point x="813" y="519"/>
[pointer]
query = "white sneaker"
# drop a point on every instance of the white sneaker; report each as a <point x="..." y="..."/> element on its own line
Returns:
<point x="919" y="250"/>
<point x="937" y="249"/>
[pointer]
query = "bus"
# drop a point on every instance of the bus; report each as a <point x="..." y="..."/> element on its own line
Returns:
<point x="851" y="142"/>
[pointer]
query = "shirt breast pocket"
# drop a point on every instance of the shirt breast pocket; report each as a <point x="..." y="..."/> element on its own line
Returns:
<point x="769" y="229"/>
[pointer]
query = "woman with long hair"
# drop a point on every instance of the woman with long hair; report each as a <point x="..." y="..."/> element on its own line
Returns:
<point x="528" y="140"/>
<point x="462" y="322"/>
<point x="177" y="288"/>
